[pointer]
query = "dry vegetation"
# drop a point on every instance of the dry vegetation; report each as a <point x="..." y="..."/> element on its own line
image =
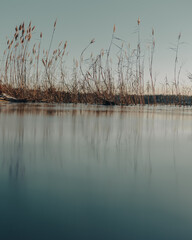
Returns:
<point x="29" y="73"/>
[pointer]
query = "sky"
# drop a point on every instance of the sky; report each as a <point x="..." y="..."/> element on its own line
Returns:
<point x="78" y="21"/>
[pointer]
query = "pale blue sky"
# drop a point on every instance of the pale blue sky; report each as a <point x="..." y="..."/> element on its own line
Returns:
<point x="81" y="20"/>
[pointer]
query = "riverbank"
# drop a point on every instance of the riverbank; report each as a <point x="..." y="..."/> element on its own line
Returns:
<point x="55" y="96"/>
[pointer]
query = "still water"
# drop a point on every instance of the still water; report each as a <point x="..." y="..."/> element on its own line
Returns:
<point x="87" y="172"/>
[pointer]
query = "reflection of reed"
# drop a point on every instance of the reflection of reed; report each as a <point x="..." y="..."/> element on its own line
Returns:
<point x="110" y="134"/>
<point x="16" y="168"/>
<point x="12" y="154"/>
<point x="115" y="136"/>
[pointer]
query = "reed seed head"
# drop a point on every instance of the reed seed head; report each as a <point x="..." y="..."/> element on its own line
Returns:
<point x="114" y="28"/>
<point x="138" y="21"/>
<point x="29" y="37"/>
<point x="54" y="52"/>
<point x="65" y="45"/>
<point x="16" y="45"/>
<point x="55" y="23"/>
<point x="43" y="62"/>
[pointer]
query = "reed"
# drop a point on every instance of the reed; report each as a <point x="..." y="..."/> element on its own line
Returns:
<point x="30" y="73"/>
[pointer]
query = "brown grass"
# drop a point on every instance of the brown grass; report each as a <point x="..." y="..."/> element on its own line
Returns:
<point x="31" y="74"/>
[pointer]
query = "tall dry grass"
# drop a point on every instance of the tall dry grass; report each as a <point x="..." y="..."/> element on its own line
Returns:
<point x="31" y="73"/>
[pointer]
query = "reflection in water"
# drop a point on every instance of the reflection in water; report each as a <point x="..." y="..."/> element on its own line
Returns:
<point x="12" y="149"/>
<point x="126" y="131"/>
<point x="16" y="167"/>
<point x="125" y="168"/>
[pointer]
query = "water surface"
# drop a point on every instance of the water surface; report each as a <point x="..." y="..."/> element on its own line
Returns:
<point x="93" y="172"/>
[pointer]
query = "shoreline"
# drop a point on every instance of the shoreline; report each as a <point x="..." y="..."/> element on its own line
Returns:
<point x="94" y="98"/>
